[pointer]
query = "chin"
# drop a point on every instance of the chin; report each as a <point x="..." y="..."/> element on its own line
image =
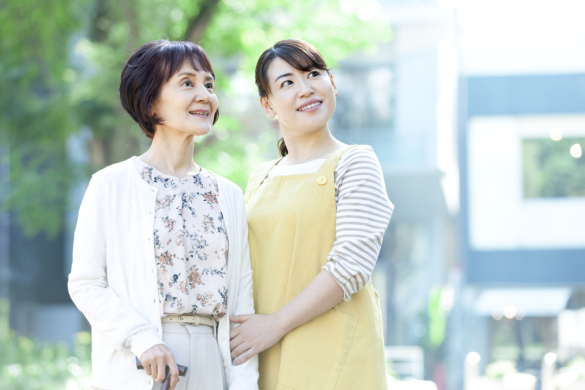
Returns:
<point x="199" y="132"/>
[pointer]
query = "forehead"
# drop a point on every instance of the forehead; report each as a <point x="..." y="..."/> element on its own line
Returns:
<point x="279" y="67"/>
<point x="187" y="68"/>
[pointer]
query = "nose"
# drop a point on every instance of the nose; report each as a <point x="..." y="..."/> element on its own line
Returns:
<point x="305" y="89"/>
<point x="202" y="94"/>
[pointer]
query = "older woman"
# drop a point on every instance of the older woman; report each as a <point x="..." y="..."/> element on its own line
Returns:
<point x="160" y="257"/>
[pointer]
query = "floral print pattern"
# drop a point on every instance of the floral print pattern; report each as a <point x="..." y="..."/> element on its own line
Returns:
<point x="190" y="243"/>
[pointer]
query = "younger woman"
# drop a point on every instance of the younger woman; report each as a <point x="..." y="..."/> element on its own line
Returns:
<point x="316" y="218"/>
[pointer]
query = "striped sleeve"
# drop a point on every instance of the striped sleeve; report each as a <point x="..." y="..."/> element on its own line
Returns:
<point x="363" y="214"/>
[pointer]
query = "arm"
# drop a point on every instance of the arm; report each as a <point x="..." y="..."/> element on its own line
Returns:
<point x="260" y="332"/>
<point x="363" y="213"/>
<point x="109" y="314"/>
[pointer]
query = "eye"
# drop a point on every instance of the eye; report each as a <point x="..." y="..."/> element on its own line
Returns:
<point x="209" y="85"/>
<point x="314" y="73"/>
<point x="187" y="83"/>
<point x="285" y="83"/>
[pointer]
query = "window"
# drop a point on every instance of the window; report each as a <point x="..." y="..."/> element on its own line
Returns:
<point x="365" y="97"/>
<point x="553" y="168"/>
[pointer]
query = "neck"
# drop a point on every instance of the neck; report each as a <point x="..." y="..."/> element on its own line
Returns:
<point x="303" y="147"/>
<point x="171" y="154"/>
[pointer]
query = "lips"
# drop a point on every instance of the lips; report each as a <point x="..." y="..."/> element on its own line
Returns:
<point x="199" y="112"/>
<point x="310" y="105"/>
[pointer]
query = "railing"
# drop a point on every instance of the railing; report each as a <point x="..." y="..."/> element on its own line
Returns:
<point x="407" y="363"/>
<point x="570" y="377"/>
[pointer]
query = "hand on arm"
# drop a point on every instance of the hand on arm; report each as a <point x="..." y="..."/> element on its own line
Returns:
<point x="156" y="360"/>
<point x="256" y="333"/>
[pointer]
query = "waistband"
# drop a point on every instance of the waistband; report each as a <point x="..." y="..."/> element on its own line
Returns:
<point x="189" y="319"/>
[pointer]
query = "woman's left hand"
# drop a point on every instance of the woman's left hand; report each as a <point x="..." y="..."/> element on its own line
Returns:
<point x="255" y="334"/>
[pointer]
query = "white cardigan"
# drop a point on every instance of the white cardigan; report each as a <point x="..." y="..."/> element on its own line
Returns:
<point x="113" y="276"/>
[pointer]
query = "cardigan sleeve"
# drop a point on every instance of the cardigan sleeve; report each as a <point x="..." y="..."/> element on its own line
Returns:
<point x="108" y="313"/>
<point x="244" y="376"/>
<point x="363" y="214"/>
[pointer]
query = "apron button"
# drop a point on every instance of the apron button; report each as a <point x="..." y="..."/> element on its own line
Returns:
<point x="322" y="180"/>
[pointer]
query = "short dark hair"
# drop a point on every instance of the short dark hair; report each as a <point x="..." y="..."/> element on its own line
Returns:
<point x="152" y="65"/>
<point x="298" y="54"/>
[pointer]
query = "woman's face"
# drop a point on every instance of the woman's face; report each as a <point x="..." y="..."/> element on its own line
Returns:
<point x="302" y="101"/>
<point x="187" y="102"/>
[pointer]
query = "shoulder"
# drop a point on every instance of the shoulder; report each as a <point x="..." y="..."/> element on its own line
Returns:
<point x="116" y="171"/>
<point x="360" y="156"/>
<point x="263" y="168"/>
<point x="359" y="153"/>
<point x="226" y="186"/>
<point x="260" y="173"/>
<point x="114" y="175"/>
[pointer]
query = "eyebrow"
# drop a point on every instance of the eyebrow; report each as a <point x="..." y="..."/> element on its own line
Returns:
<point x="193" y="75"/>
<point x="282" y="75"/>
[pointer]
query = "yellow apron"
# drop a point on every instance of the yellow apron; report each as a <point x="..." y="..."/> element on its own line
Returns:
<point x="291" y="223"/>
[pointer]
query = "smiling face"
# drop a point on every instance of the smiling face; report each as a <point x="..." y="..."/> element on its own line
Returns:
<point x="187" y="102"/>
<point x="303" y="101"/>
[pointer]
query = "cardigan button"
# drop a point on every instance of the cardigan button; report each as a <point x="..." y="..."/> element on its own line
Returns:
<point x="321" y="180"/>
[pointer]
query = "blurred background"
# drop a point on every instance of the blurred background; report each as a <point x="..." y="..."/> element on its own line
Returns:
<point x="475" y="108"/>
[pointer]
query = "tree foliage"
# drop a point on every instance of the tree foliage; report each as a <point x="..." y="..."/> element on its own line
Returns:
<point x="60" y="69"/>
<point x="29" y="365"/>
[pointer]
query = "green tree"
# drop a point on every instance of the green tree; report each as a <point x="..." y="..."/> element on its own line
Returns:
<point x="29" y="365"/>
<point x="60" y="70"/>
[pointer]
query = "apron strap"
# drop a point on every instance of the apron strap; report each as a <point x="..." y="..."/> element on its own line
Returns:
<point x="328" y="167"/>
<point x="258" y="176"/>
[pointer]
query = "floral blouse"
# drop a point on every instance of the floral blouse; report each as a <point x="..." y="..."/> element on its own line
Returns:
<point x="190" y="243"/>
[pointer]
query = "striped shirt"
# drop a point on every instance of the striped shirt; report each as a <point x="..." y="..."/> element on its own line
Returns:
<point x="363" y="214"/>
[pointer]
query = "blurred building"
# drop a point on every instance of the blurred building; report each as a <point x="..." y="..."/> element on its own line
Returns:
<point x="476" y="111"/>
<point x="402" y="100"/>
<point x="521" y="130"/>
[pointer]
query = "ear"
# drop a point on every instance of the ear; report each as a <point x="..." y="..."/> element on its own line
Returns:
<point x="267" y="108"/>
<point x="333" y="83"/>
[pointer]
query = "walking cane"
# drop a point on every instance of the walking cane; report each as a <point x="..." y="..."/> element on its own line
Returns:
<point x="166" y="384"/>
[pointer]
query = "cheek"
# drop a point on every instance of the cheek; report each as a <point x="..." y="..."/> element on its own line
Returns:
<point x="214" y="103"/>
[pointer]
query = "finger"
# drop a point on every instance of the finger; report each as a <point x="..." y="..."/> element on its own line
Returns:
<point x="238" y="351"/>
<point x="147" y="368"/>
<point x="236" y="343"/>
<point x="244" y="357"/>
<point x="235" y="332"/>
<point x="160" y="371"/>
<point x="174" y="370"/>
<point x="154" y="370"/>
<point x="240" y="319"/>
<point x="164" y="360"/>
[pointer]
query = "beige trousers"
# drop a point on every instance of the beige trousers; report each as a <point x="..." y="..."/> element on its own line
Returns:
<point x="195" y="347"/>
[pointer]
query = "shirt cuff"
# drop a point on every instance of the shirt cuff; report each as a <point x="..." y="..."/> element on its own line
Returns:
<point x="344" y="284"/>
<point x="142" y="342"/>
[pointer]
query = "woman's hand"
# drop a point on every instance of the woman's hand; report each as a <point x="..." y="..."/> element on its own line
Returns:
<point x="256" y="333"/>
<point x="155" y="361"/>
